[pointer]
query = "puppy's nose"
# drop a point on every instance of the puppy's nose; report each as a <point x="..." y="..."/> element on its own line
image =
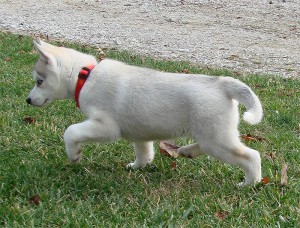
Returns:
<point x="28" y="100"/>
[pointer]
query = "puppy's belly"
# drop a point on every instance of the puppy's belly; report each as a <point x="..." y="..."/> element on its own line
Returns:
<point x="138" y="133"/>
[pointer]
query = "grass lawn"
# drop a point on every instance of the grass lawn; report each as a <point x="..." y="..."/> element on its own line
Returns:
<point x="40" y="188"/>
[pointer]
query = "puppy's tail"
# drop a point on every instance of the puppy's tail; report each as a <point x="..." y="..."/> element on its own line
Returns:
<point x="239" y="91"/>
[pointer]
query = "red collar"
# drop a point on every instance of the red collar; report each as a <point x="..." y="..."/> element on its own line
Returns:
<point x="82" y="77"/>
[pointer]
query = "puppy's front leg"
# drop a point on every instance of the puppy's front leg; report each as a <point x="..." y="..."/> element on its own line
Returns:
<point x="144" y="154"/>
<point x="89" y="131"/>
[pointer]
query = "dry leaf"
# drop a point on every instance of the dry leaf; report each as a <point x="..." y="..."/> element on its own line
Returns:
<point x="272" y="155"/>
<point x="29" y="119"/>
<point x="186" y="71"/>
<point x="233" y="57"/>
<point x="249" y="137"/>
<point x="35" y="200"/>
<point x="288" y="93"/>
<point x="168" y="148"/>
<point x="284" y="176"/>
<point x="7" y="59"/>
<point x="221" y="215"/>
<point x="21" y="51"/>
<point x="265" y="180"/>
<point x="174" y="165"/>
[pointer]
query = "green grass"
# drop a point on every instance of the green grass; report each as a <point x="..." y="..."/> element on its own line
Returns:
<point x="100" y="192"/>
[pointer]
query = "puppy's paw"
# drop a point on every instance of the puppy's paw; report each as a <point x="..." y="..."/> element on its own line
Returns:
<point x="250" y="183"/>
<point x="135" y="165"/>
<point x="130" y="166"/>
<point x="241" y="184"/>
<point x="75" y="159"/>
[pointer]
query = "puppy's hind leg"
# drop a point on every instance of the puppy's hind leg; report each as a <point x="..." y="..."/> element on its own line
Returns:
<point x="248" y="159"/>
<point x="252" y="167"/>
<point x="190" y="151"/>
<point x="144" y="153"/>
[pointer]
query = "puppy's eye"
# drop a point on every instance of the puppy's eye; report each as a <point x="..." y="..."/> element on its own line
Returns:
<point x="39" y="82"/>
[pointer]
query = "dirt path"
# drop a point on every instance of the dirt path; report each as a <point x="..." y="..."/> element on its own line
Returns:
<point x="258" y="36"/>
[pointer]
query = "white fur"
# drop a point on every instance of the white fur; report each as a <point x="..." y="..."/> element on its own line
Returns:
<point x="143" y="105"/>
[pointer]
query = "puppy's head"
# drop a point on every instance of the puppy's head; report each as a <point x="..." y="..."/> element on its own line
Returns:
<point x="46" y="75"/>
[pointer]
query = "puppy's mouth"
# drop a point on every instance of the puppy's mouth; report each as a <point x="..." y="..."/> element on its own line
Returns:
<point x="46" y="102"/>
<point x="37" y="102"/>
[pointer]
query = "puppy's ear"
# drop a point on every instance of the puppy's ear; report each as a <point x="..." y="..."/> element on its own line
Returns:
<point x="42" y="50"/>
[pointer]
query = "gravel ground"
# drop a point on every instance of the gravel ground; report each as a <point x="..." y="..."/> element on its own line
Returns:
<point x="257" y="36"/>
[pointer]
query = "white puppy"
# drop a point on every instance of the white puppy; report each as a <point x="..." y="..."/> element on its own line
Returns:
<point x="142" y="105"/>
